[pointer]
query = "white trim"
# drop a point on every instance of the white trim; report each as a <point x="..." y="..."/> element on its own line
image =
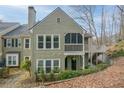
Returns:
<point x="29" y="43"/>
<point x="44" y="41"/>
<point x="44" y="61"/>
<point x="12" y="54"/>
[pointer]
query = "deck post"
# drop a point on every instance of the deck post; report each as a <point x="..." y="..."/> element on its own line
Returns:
<point x="83" y="52"/>
<point x="91" y="59"/>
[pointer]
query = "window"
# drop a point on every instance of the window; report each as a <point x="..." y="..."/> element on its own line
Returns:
<point x="19" y="42"/>
<point x="8" y="42"/>
<point x="14" y="42"/>
<point x="4" y="42"/>
<point x="12" y="60"/>
<point x="73" y="38"/>
<point x="48" y="65"/>
<point x="40" y="65"/>
<point x="40" y="41"/>
<point x="9" y="60"/>
<point x="56" y="41"/>
<point x="55" y="65"/>
<point x="27" y="43"/>
<point x="67" y="38"/>
<point x="79" y="38"/>
<point x="58" y="20"/>
<point x="48" y="41"/>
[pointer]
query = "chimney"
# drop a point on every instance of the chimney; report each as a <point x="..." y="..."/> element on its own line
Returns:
<point x="31" y="16"/>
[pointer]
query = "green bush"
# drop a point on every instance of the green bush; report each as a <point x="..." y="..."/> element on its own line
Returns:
<point x="42" y="75"/>
<point x="71" y="74"/>
<point x="26" y="65"/>
<point x="68" y="74"/>
<point x="4" y="72"/>
<point x="89" y="70"/>
<point x="102" y="66"/>
<point x="118" y="53"/>
<point x="51" y="77"/>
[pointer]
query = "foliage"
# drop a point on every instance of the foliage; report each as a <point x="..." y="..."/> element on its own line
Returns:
<point x="102" y="66"/>
<point x="116" y="50"/>
<point x="89" y="70"/>
<point x="51" y="77"/>
<point x="68" y="74"/>
<point x="71" y="74"/>
<point x="42" y="75"/>
<point x="4" y="72"/>
<point x="26" y="65"/>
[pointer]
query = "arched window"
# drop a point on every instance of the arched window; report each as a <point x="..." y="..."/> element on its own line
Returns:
<point x="73" y="38"/>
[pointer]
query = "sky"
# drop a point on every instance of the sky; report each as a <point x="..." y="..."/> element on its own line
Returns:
<point x="13" y="13"/>
<point x="19" y="13"/>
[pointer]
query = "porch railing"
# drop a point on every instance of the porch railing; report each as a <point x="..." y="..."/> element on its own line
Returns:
<point x="76" y="47"/>
<point x="73" y="47"/>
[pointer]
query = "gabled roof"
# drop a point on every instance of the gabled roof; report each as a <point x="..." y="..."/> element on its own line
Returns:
<point x="21" y="30"/>
<point x="5" y="25"/>
<point x="59" y="9"/>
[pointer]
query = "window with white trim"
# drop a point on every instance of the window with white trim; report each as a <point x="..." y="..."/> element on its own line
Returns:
<point x="48" y="65"/>
<point x="13" y="42"/>
<point x="27" y="43"/>
<point x="48" y="41"/>
<point x="40" y="66"/>
<point x="74" y="38"/>
<point x="40" y="42"/>
<point x="56" y="65"/>
<point x="56" y="41"/>
<point x="12" y="60"/>
<point x="8" y="42"/>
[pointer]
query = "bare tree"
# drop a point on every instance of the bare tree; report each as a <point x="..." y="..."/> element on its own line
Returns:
<point x="87" y="15"/>
<point x="121" y="13"/>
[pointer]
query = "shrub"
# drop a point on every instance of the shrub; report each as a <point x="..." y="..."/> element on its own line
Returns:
<point x="68" y="74"/>
<point x="26" y="65"/>
<point x="89" y="70"/>
<point x="56" y="70"/>
<point x="118" y="53"/>
<point x="71" y="74"/>
<point x="42" y="75"/>
<point x="102" y="66"/>
<point x="51" y="77"/>
<point x="4" y="72"/>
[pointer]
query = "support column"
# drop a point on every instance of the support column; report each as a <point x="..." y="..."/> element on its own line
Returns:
<point x="83" y="53"/>
<point x="69" y="63"/>
<point x="91" y="58"/>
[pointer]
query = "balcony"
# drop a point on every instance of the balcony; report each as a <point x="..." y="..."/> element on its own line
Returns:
<point x="76" y="47"/>
<point x="73" y="47"/>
